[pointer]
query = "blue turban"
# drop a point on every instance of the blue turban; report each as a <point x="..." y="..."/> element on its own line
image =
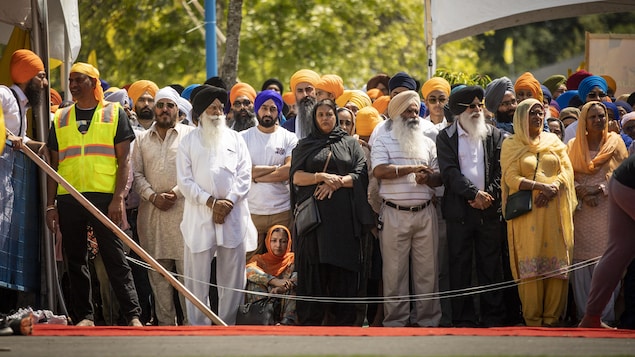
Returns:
<point x="589" y="83"/>
<point x="612" y="107"/>
<point x="264" y="96"/>
<point x="402" y="79"/>
<point x="187" y="92"/>
<point x="623" y="104"/>
<point x="564" y="98"/>
<point x="546" y="93"/>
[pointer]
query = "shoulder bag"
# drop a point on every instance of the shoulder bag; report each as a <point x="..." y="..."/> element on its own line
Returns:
<point x="259" y="312"/>
<point x="306" y="213"/>
<point x="520" y="202"/>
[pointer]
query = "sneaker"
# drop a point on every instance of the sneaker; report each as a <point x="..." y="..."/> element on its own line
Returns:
<point x="86" y="323"/>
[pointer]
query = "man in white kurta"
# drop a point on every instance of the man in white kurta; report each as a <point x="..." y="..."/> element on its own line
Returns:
<point x="161" y="206"/>
<point x="214" y="175"/>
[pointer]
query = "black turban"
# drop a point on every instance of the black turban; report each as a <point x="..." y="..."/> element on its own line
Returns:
<point x="205" y="96"/>
<point x="275" y="82"/>
<point x="216" y="81"/>
<point x="464" y="96"/>
<point x="402" y="79"/>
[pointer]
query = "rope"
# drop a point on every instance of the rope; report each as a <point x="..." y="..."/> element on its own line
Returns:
<point x="410" y="298"/>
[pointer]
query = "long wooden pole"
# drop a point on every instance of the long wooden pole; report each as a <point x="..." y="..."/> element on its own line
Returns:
<point x="123" y="236"/>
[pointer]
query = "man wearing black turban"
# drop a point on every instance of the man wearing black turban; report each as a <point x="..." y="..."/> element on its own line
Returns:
<point x="214" y="175"/>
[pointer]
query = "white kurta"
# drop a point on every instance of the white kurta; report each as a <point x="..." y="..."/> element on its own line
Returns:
<point x="225" y="174"/>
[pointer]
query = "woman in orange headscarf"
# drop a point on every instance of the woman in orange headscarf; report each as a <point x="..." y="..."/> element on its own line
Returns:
<point x="595" y="152"/>
<point x="273" y="272"/>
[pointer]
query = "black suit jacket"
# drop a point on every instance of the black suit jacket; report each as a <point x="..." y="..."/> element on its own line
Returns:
<point x="459" y="189"/>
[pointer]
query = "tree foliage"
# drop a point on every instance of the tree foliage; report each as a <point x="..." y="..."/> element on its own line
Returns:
<point x="157" y="40"/>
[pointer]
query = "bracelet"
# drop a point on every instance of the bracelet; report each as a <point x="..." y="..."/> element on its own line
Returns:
<point x="533" y="184"/>
<point x="153" y="197"/>
<point x="50" y="208"/>
<point x="213" y="203"/>
<point x="315" y="177"/>
<point x="396" y="170"/>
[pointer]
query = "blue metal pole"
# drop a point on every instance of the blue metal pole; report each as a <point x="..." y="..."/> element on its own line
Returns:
<point x="210" y="38"/>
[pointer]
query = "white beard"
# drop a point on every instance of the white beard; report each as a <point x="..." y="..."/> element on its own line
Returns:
<point x="212" y="127"/>
<point x="409" y="136"/>
<point x="474" y="125"/>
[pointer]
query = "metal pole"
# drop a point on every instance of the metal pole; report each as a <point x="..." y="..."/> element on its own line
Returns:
<point x="123" y="236"/>
<point x="210" y="38"/>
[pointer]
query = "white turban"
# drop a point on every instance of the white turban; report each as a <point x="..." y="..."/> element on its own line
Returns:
<point x="167" y="93"/>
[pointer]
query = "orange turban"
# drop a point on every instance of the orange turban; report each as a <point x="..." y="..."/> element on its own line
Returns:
<point x="610" y="81"/>
<point x="92" y="72"/>
<point x="374" y="93"/>
<point x="242" y="89"/>
<point x="435" y="83"/>
<point x="528" y="81"/>
<point x="138" y="88"/>
<point x="357" y="97"/>
<point x="304" y="75"/>
<point x="289" y="98"/>
<point x="25" y="65"/>
<point x="56" y="100"/>
<point x="366" y="120"/>
<point x="331" y="83"/>
<point x="381" y="103"/>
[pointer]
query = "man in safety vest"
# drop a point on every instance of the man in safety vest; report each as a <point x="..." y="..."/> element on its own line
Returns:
<point x="90" y="144"/>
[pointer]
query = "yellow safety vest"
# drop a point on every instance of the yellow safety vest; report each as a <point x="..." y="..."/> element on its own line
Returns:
<point x="88" y="161"/>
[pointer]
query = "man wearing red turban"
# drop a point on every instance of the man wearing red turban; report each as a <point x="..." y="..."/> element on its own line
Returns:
<point x="29" y="80"/>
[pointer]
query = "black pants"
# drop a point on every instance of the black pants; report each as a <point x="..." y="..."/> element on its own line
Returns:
<point x="73" y="221"/>
<point x="481" y="239"/>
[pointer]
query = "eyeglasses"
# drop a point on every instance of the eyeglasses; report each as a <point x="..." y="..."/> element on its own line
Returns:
<point x="472" y="106"/>
<point x="170" y="105"/>
<point x="596" y="95"/>
<point x="244" y="103"/>
<point x="434" y="100"/>
<point x="539" y="113"/>
<point x="508" y="103"/>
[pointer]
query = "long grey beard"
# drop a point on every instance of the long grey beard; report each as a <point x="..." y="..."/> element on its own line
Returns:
<point x="212" y="127"/>
<point x="474" y="125"/>
<point x="410" y="138"/>
<point x="304" y="121"/>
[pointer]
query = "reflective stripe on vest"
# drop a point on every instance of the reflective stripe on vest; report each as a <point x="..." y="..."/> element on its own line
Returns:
<point x="88" y="161"/>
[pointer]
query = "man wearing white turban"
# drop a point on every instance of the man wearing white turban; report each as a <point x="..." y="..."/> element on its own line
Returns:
<point x="161" y="206"/>
<point x="406" y="163"/>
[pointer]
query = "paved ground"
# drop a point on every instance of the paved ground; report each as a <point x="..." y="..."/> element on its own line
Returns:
<point x="189" y="346"/>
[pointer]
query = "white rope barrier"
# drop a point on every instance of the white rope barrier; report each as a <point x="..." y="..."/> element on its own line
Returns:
<point x="410" y="298"/>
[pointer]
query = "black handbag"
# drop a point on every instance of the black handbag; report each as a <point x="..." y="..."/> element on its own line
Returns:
<point x="306" y="213"/>
<point x="259" y="312"/>
<point x="520" y="202"/>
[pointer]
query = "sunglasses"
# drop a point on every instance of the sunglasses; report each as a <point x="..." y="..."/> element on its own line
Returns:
<point x="170" y="105"/>
<point x="437" y="100"/>
<point x="472" y="106"/>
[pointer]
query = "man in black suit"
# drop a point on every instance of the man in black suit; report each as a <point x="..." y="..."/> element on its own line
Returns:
<point x="469" y="160"/>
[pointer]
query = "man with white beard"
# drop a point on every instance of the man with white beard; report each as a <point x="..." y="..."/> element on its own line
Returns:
<point x="303" y="84"/>
<point x="405" y="161"/>
<point x="214" y="175"/>
<point x="469" y="158"/>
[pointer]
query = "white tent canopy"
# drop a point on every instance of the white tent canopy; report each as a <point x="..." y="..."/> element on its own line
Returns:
<point x="63" y="24"/>
<point x="449" y="20"/>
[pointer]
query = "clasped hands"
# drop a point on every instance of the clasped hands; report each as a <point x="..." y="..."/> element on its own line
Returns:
<point x="281" y="286"/>
<point x="547" y="193"/>
<point x="422" y="174"/>
<point x="482" y="201"/>
<point x="220" y="208"/>
<point x="329" y="184"/>
<point x="589" y="194"/>
<point x="164" y="201"/>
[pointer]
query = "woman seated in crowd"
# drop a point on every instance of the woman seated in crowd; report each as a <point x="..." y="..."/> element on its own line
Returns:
<point x="273" y="272"/>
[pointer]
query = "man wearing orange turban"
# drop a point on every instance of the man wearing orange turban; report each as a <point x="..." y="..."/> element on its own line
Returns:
<point x="527" y="86"/>
<point x="241" y="98"/>
<point x="303" y="84"/>
<point x="142" y="93"/>
<point x="29" y="80"/>
<point x="330" y="86"/>
<point x="90" y="145"/>
<point x="435" y="92"/>
<point x="354" y="100"/>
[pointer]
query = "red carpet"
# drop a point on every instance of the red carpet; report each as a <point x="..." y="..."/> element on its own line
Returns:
<point x="58" y="330"/>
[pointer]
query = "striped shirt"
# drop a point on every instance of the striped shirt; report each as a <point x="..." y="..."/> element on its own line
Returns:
<point x="404" y="190"/>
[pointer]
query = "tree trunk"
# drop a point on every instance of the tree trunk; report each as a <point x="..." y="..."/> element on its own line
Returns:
<point x="229" y="68"/>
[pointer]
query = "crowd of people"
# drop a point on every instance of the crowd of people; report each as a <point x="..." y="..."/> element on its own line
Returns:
<point x="412" y="182"/>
